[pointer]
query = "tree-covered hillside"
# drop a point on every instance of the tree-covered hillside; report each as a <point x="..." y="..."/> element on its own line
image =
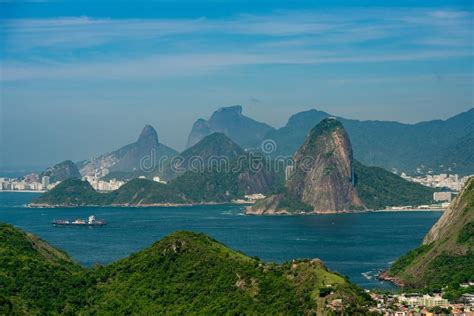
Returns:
<point x="379" y="188"/>
<point x="184" y="273"/>
<point x="253" y="174"/>
<point x="446" y="257"/>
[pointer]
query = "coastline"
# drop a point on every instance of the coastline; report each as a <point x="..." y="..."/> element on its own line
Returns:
<point x="383" y="276"/>
<point x="128" y="205"/>
<point x="251" y="213"/>
<point x="285" y="212"/>
<point x="24" y="191"/>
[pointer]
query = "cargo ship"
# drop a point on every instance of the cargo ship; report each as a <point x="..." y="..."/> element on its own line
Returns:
<point x="91" y="221"/>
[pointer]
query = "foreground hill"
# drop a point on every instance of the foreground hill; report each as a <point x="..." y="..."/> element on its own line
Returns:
<point x="35" y="278"/>
<point x="325" y="179"/>
<point x="184" y="273"/>
<point x="446" y="256"/>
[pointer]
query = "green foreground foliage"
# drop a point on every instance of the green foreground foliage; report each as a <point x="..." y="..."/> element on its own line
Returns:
<point x="183" y="273"/>
<point x="446" y="259"/>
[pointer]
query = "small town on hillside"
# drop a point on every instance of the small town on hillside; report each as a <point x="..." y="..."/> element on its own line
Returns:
<point x="414" y="304"/>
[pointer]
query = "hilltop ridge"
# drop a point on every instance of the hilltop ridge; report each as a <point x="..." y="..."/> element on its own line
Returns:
<point x="183" y="273"/>
<point x="446" y="257"/>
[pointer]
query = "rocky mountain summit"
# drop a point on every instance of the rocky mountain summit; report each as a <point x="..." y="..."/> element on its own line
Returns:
<point x="132" y="160"/>
<point x="62" y="171"/>
<point x="229" y="120"/>
<point x="322" y="180"/>
<point x="211" y="149"/>
<point x="324" y="176"/>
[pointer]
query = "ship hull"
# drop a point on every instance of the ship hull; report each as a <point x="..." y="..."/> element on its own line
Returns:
<point x="72" y="224"/>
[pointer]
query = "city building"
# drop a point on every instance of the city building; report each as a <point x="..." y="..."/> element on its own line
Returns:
<point x="452" y="182"/>
<point x="45" y="181"/>
<point x="157" y="179"/>
<point x="442" y="196"/>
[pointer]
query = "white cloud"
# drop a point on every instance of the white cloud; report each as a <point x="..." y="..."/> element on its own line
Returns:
<point x="195" y="64"/>
<point x="70" y="47"/>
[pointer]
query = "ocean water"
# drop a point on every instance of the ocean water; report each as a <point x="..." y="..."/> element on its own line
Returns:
<point x="355" y="245"/>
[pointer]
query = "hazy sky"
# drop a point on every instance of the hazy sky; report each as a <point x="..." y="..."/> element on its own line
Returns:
<point x="79" y="78"/>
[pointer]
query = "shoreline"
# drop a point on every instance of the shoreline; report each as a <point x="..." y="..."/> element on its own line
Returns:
<point x="33" y="205"/>
<point x="24" y="191"/>
<point x="383" y="276"/>
<point x="287" y="213"/>
<point x="277" y="213"/>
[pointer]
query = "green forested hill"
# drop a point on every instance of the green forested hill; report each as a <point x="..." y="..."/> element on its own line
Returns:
<point x="184" y="273"/>
<point x="379" y="188"/>
<point x="35" y="278"/>
<point x="213" y="185"/>
<point x="447" y="254"/>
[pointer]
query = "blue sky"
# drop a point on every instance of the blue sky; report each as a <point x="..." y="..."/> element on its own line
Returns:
<point x="79" y="78"/>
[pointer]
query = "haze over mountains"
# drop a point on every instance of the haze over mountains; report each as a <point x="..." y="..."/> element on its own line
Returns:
<point x="130" y="160"/>
<point x="225" y="173"/>
<point x="439" y="145"/>
<point x="435" y="146"/>
<point x="229" y="120"/>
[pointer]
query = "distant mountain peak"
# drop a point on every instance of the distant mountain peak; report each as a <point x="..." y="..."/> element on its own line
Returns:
<point x="234" y="109"/>
<point x="229" y="120"/>
<point x="148" y="135"/>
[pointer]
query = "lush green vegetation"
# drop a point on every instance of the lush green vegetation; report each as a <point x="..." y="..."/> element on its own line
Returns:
<point x="379" y="188"/>
<point x="447" y="257"/>
<point x="74" y="192"/>
<point x="241" y="173"/>
<point x="34" y="277"/>
<point x="408" y="258"/>
<point x="292" y="204"/>
<point x="467" y="233"/>
<point x="184" y="273"/>
<point x="252" y="174"/>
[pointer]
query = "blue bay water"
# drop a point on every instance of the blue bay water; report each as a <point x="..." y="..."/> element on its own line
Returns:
<point x="356" y="245"/>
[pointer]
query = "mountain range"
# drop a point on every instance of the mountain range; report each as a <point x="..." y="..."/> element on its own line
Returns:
<point x="217" y="170"/>
<point x="438" y="145"/>
<point x="229" y="120"/>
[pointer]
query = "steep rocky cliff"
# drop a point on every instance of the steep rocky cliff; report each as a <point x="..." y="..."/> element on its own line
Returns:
<point x="446" y="257"/>
<point x="323" y="177"/>
<point x="139" y="158"/>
